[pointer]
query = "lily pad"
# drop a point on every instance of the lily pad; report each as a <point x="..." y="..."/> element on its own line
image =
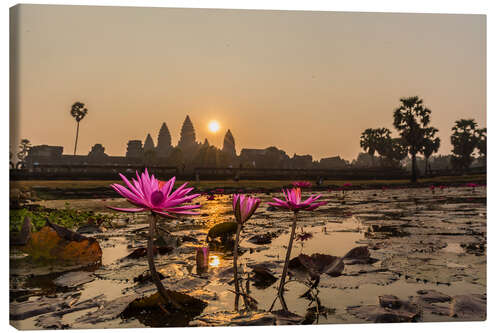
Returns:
<point x="57" y="243"/>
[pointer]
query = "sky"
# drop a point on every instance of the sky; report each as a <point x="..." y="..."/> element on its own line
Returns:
<point x="305" y="82"/>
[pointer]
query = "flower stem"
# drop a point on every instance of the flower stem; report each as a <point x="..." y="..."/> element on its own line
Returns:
<point x="235" y="268"/>
<point x="287" y="259"/>
<point x="152" y="268"/>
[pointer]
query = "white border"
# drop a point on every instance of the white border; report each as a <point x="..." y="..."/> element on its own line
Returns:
<point x="491" y="8"/>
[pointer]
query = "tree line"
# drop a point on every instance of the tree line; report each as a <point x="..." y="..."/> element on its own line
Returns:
<point x="411" y="119"/>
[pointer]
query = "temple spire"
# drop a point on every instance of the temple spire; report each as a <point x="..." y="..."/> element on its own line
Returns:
<point x="148" y="143"/>
<point x="188" y="137"/>
<point x="164" y="141"/>
<point x="228" y="146"/>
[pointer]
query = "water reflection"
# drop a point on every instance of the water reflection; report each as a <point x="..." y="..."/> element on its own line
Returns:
<point x="214" y="261"/>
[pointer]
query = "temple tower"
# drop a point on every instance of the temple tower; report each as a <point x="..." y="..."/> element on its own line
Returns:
<point x="206" y="144"/>
<point x="149" y="144"/>
<point x="164" y="141"/>
<point x="134" y="149"/>
<point x="188" y="137"/>
<point x="229" y="147"/>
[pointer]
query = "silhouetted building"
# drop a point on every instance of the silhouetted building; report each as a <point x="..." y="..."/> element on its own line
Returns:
<point x="334" y="162"/>
<point x="228" y="146"/>
<point x="301" y="161"/>
<point x="149" y="145"/>
<point x="164" y="146"/>
<point x="97" y="152"/>
<point x="43" y="154"/>
<point x="134" y="149"/>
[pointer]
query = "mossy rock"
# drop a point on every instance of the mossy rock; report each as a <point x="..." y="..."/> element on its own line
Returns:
<point x="223" y="230"/>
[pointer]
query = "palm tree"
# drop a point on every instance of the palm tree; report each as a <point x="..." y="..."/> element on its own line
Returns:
<point x="368" y="143"/>
<point x="78" y="111"/>
<point x="373" y="140"/>
<point x="411" y="119"/>
<point x="465" y="139"/>
<point x="431" y="145"/>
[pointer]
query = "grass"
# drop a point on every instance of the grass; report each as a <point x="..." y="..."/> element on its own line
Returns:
<point x="28" y="185"/>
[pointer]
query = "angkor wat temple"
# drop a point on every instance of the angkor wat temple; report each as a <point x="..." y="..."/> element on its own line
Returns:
<point x="187" y="154"/>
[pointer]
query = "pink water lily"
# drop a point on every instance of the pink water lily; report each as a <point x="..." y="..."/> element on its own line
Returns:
<point x="244" y="206"/>
<point x="150" y="194"/>
<point x="293" y="201"/>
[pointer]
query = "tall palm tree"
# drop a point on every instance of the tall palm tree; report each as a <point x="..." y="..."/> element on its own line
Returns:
<point x="78" y="111"/>
<point x="430" y="146"/>
<point x="412" y="119"/>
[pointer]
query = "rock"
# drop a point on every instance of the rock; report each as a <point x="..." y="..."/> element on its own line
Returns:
<point x="57" y="243"/>
<point x="74" y="279"/>
<point x="469" y="307"/>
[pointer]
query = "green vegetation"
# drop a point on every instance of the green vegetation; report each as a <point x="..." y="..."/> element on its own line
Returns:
<point x="66" y="217"/>
<point x="204" y="185"/>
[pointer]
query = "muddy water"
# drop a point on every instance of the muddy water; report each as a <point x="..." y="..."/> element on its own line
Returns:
<point x="419" y="239"/>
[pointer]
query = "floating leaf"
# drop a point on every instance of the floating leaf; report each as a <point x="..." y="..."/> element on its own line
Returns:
<point x="53" y="242"/>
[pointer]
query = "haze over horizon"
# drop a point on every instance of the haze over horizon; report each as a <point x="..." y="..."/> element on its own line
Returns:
<point x="305" y="82"/>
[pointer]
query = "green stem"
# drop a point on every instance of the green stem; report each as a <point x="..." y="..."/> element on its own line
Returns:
<point x="152" y="268"/>
<point x="235" y="268"/>
<point x="287" y="260"/>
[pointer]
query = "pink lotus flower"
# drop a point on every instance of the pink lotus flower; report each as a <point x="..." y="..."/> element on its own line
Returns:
<point x="148" y="193"/>
<point x="244" y="207"/>
<point x="432" y="187"/>
<point x="293" y="201"/>
<point x="347" y="185"/>
<point x="301" y="184"/>
<point x="442" y="187"/>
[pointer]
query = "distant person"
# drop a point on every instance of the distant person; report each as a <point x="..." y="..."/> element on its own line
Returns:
<point x="319" y="181"/>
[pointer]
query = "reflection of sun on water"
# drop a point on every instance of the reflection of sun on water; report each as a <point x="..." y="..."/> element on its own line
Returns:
<point x="213" y="261"/>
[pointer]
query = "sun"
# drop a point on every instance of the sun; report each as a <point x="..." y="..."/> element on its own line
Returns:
<point x="214" y="126"/>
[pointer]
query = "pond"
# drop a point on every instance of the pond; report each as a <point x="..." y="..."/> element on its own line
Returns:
<point x="420" y="242"/>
